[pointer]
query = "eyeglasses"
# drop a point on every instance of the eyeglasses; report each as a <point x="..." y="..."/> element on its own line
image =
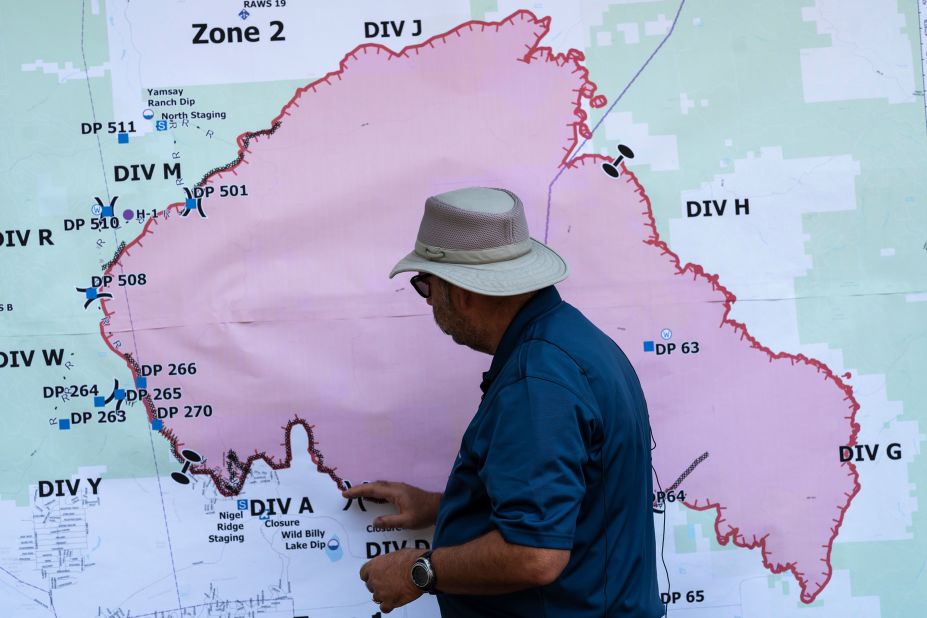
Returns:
<point x="421" y="284"/>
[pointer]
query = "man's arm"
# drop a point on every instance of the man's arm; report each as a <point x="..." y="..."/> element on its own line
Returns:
<point x="485" y="565"/>
<point x="491" y="565"/>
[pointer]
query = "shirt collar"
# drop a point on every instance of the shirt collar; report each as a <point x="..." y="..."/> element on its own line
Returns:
<point x="540" y="303"/>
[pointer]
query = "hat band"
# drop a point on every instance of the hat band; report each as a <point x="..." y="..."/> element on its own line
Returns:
<point x="473" y="256"/>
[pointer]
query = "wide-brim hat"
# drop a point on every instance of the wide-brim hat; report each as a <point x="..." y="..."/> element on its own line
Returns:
<point x="477" y="238"/>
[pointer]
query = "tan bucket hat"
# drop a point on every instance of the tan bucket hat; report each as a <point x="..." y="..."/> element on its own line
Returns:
<point x="477" y="238"/>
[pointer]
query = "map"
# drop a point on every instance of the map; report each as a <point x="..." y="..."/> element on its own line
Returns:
<point x="201" y="347"/>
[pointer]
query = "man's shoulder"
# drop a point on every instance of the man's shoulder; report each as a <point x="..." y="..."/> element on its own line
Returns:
<point x="538" y="363"/>
<point x="556" y="348"/>
<point x="567" y="343"/>
<point x="565" y="333"/>
<point x="566" y="322"/>
<point x="564" y="347"/>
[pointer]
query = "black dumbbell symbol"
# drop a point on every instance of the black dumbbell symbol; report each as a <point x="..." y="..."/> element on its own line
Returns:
<point x="106" y="211"/>
<point x="192" y="202"/>
<point x="191" y="457"/>
<point x="612" y="168"/>
<point x="91" y="294"/>
<point x="360" y="500"/>
<point x="112" y="395"/>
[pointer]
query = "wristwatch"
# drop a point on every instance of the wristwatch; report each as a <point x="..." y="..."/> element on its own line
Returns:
<point x="423" y="573"/>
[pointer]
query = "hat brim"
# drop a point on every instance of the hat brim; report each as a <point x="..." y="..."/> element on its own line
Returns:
<point x="537" y="269"/>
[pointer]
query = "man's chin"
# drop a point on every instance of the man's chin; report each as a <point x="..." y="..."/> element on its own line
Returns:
<point x="443" y="329"/>
<point x="455" y="337"/>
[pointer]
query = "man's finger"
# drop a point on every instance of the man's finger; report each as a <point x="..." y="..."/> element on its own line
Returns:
<point x="393" y="521"/>
<point x="364" y="572"/>
<point x="379" y="489"/>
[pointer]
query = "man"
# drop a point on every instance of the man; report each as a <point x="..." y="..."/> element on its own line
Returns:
<point x="547" y="511"/>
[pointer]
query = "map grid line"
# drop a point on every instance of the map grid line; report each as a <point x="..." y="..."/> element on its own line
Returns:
<point x="126" y="293"/>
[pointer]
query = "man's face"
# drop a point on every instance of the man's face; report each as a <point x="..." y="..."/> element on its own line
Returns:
<point x="448" y="317"/>
<point x="442" y="307"/>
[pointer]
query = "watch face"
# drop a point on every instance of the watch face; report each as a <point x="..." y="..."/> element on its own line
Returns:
<point x="420" y="575"/>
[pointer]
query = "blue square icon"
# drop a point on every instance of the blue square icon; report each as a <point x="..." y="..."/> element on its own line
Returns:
<point x="141" y="382"/>
<point x="99" y="401"/>
<point x="648" y="346"/>
<point x="190" y="204"/>
<point x="120" y="394"/>
<point x="242" y="505"/>
<point x="64" y="423"/>
<point x="157" y="424"/>
<point x="123" y="138"/>
<point x="107" y="211"/>
<point x="90" y="293"/>
<point x="161" y="125"/>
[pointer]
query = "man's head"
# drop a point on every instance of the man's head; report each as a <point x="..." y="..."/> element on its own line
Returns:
<point x="475" y="246"/>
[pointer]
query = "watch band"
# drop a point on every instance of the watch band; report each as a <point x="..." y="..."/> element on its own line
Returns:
<point x="424" y="562"/>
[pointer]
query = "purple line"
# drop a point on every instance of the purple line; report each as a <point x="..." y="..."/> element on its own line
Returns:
<point x="550" y="187"/>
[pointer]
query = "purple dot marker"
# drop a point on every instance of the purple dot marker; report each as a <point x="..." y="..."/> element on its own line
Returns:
<point x="128" y="214"/>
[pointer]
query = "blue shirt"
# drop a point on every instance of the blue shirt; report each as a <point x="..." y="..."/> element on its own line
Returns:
<point x="558" y="456"/>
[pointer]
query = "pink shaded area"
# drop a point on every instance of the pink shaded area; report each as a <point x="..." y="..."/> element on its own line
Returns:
<point x="281" y="298"/>
<point x="771" y="423"/>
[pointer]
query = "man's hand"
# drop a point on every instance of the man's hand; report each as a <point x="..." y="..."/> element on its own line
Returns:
<point x="389" y="579"/>
<point x="417" y="508"/>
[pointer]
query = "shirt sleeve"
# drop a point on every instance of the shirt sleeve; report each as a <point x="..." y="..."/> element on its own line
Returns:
<point x="533" y="470"/>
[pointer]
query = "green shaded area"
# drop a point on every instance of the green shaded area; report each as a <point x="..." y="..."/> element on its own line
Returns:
<point x="744" y="58"/>
<point x="738" y="59"/>
<point x="684" y="539"/>
<point x="480" y="8"/>
<point x="894" y="570"/>
<point x="703" y="522"/>
<point x="206" y="144"/>
<point x="53" y="172"/>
